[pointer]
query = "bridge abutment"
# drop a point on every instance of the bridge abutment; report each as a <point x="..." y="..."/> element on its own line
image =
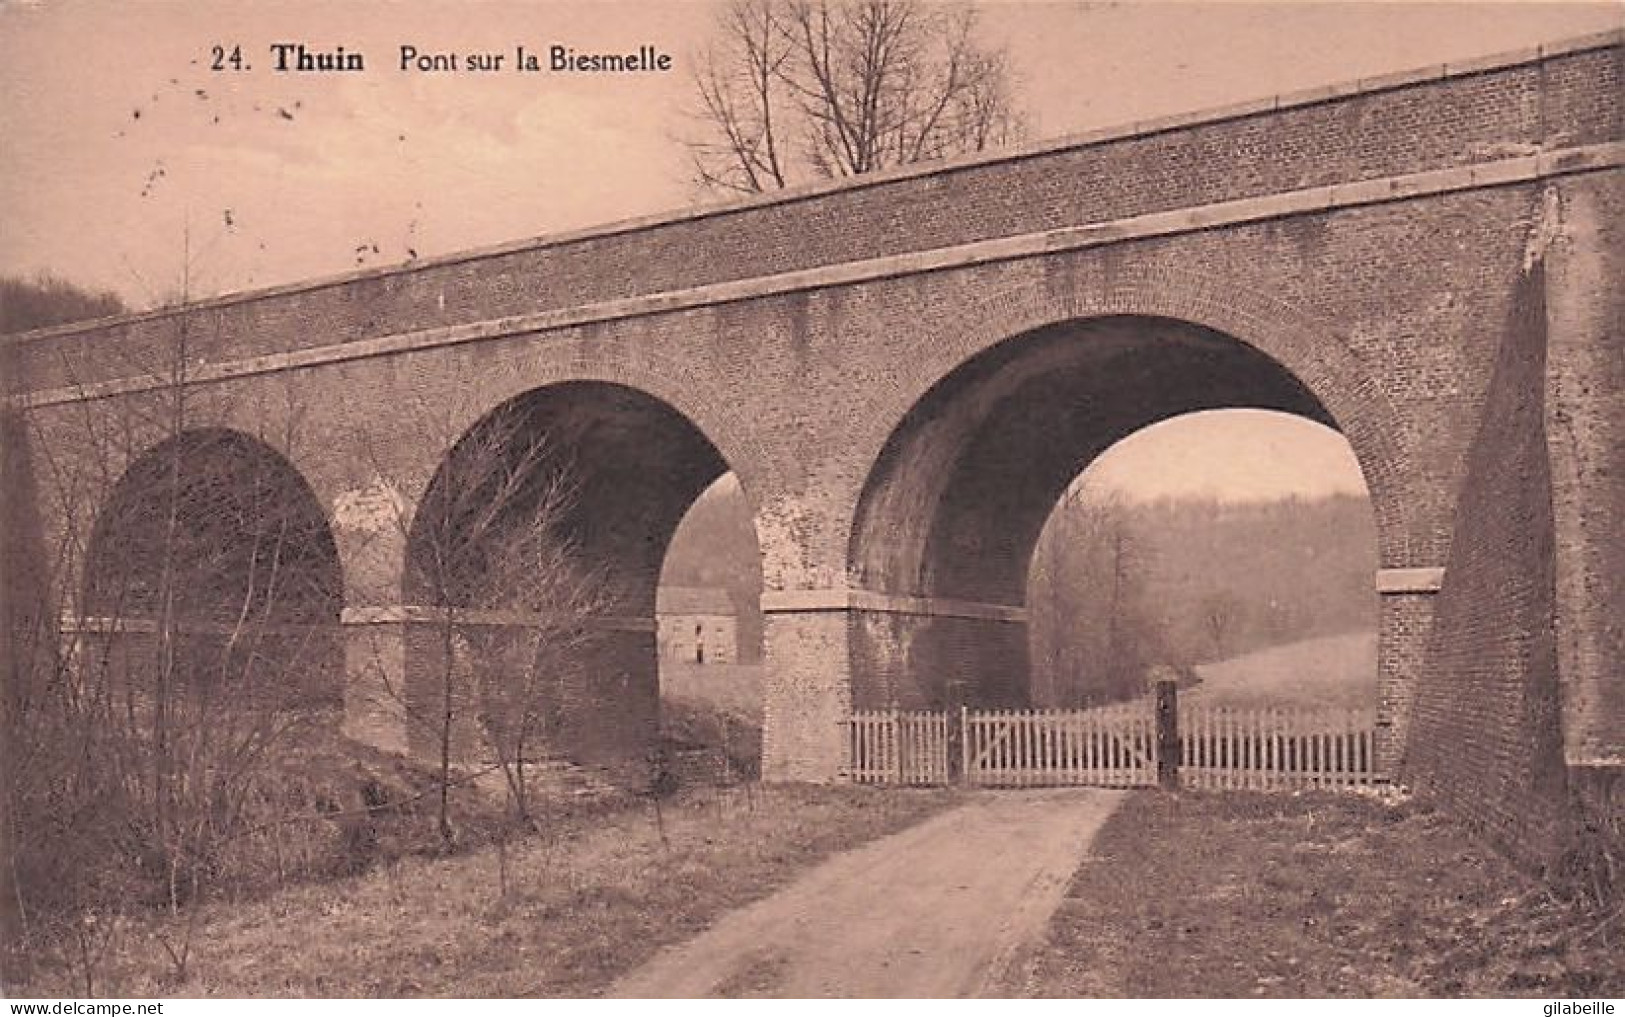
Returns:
<point x="1585" y="438"/>
<point x="1405" y="614"/>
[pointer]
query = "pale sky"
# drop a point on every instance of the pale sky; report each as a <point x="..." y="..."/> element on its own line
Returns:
<point x="122" y="148"/>
<point x="1230" y="455"/>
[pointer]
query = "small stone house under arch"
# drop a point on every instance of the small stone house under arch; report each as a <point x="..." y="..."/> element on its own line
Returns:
<point x="697" y="625"/>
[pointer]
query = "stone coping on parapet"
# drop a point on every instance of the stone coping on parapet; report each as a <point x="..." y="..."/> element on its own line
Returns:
<point x="1426" y="183"/>
<point x="398" y="614"/>
<point x="113" y="625"/>
<point x="420" y="614"/>
<point x="1119" y="132"/>
<point x="854" y="599"/>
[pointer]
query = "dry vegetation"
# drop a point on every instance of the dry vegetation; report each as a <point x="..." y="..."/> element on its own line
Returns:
<point x="1334" y="672"/>
<point x="598" y="891"/>
<point x="736" y="688"/>
<point x="1191" y="580"/>
<point x="715" y="744"/>
<point x="1237" y="895"/>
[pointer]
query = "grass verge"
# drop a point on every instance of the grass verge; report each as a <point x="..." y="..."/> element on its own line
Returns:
<point x="1246" y="895"/>
<point x="588" y="900"/>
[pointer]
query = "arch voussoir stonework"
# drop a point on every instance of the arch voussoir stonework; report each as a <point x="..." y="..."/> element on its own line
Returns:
<point x="883" y="640"/>
<point x="693" y="395"/>
<point x="1310" y="349"/>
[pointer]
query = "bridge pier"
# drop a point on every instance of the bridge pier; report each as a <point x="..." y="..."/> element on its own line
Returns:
<point x="375" y="656"/>
<point x="368" y="524"/>
<point x="807" y="690"/>
<point x="832" y="651"/>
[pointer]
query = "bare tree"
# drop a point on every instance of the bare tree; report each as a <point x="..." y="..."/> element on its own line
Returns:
<point x="796" y="89"/>
<point x="156" y="683"/>
<point x="1221" y="615"/>
<point x="1093" y="633"/>
<point x="513" y="604"/>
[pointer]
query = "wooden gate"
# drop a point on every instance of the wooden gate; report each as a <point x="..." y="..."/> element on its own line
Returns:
<point x="898" y="747"/>
<point x="1108" y="746"/>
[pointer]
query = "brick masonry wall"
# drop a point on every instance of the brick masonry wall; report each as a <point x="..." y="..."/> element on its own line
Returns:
<point x="1404" y="621"/>
<point x="1485" y="735"/>
<point x="1379" y="312"/>
<point x="807" y="696"/>
<point x="919" y="662"/>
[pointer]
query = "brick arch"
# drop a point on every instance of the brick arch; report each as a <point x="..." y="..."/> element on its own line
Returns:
<point x="243" y="451"/>
<point x="635" y="464"/>
<point x="246" y="511"/>
<point x="695" y="396"/>
<point x="627" y="439"/>
<point x="1308" y="348"/>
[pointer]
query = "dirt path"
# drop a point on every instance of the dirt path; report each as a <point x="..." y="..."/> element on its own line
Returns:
<point x="937" y="911"/>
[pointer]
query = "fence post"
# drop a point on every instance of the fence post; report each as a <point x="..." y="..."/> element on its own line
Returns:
<point x="964" y="744"/>
<point x="1167" y="735"/>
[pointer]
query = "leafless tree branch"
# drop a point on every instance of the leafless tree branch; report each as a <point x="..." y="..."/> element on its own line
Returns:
<point x="796" y="89"/>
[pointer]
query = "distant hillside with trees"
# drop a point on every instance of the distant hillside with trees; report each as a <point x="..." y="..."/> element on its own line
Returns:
<point x="46" y="300"/>
<point x="1118" y="587"/>
<point x="1236" y="578"/>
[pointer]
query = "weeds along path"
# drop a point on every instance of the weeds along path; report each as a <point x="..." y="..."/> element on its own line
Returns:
<point x="938" y="910"/>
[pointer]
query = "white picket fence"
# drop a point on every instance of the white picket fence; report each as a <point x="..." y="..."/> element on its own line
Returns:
<point x="1219" y="747"/>
<point x="1272" y="749"/>
<point x="899" y="747"/>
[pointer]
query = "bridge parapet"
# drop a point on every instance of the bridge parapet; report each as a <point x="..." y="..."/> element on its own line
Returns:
<point x="1440" y="118"/>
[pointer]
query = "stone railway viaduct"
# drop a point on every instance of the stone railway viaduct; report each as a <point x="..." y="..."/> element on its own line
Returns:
<point x="905" y="371"/>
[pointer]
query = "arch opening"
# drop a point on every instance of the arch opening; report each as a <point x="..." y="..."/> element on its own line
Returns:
<point x="710" y="635"/>
<point x="954" y="506"/>
<point x="1231" y="551"/>
<point x="211" y="568"/>
<point x="536" y="552"/>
